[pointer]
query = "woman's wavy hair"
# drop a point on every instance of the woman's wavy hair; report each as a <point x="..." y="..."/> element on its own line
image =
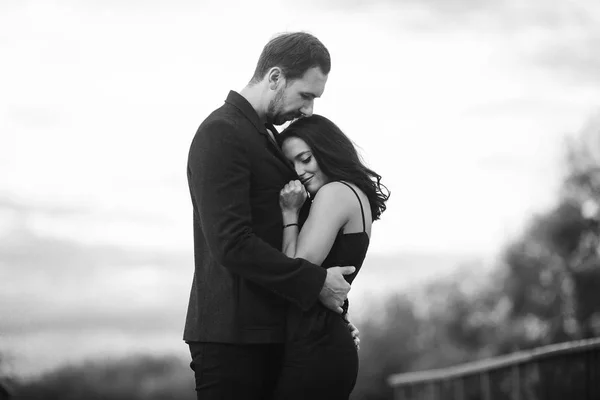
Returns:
<point x="338" y="159"/>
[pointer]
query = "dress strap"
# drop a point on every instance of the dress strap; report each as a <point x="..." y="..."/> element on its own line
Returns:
<point x="362" y="212"/>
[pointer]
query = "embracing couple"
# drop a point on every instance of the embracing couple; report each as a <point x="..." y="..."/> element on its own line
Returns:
<point x="281" y="227"/>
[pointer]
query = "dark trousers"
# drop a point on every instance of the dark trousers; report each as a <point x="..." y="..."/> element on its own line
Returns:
<point x="226" y="371"/>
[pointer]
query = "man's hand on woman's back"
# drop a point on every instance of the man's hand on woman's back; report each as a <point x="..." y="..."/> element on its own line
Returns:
<point x="335" y="289"/>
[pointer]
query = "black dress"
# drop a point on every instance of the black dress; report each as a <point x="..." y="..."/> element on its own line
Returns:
<point x="321" y="361"/>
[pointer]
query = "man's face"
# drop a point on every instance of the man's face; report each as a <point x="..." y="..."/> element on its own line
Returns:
<point x="295" y="98"/>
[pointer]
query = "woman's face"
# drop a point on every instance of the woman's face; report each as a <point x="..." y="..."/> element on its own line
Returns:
<point x="297" y="151"/>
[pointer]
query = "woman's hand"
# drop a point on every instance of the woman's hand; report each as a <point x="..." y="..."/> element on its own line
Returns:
<point x="355" y="334"/>
<point x="292" y="197"/>
<point x="353" y="331"/>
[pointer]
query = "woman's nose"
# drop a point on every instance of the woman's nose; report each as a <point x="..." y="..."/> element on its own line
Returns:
<point x="299" y="171"/>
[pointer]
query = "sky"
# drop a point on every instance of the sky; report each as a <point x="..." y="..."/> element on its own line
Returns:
<point x="462" y="106"/>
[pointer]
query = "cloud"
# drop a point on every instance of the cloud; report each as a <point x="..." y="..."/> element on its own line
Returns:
<point x="50" y="282"/>
<point x="9" y="203"/>
<point x="506" y="13"/>
<point x="558" y="36"/>
<point x="577" y="60"/>
<point x="562" y="37"/>
<point x="35" y="116"/>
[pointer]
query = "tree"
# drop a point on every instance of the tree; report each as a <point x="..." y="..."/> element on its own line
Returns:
<point x="389" y="344"/>
<point x="554" y="267"/>
<point x="137" y="377"/>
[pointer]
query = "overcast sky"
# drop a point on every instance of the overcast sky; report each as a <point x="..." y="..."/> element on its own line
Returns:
<point x="462" y="106"/>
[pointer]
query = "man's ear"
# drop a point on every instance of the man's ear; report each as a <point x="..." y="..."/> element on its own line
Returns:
<point x="275" y="78"/>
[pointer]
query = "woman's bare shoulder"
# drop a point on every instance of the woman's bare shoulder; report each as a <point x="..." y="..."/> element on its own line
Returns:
<point x="336" y="194"/>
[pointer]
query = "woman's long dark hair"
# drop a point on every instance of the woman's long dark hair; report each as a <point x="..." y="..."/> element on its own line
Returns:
<point x="338" y="159"/>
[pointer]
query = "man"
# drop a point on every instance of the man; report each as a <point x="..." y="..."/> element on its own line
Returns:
<point x="235" y="324"/>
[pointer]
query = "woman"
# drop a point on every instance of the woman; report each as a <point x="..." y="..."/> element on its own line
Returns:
<point x="321" y="361"/>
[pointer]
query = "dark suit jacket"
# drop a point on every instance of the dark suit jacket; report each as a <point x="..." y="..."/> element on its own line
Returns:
<point x="242" y="282"/>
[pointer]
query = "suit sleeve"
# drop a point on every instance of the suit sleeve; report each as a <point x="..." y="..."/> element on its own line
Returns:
<point x="219" y="173"/>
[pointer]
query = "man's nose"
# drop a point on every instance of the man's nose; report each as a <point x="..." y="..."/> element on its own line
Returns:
<point x="307" y="109"/>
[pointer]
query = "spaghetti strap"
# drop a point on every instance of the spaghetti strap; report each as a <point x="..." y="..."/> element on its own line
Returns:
<point x="362" y="212"/>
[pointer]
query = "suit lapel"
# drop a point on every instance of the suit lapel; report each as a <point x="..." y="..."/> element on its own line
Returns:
<point x="239" y="102"/>
<point x="274" y="147"/>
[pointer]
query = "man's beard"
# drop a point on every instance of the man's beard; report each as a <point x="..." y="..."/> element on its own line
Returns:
<point x="275" y="116"/>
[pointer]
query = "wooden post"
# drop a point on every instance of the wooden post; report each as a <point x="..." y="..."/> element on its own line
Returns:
<point x="433" y="393"/>
<point x="459" y="390"/>
<point x="486" y="391"/>
<point x="399" y="393"/>
<point x="516" y="382"/>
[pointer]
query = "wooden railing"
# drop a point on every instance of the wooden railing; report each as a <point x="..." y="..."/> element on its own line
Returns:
<point x="565" y="371"/>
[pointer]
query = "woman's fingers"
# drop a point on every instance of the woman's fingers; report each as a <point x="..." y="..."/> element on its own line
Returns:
<point x="293" y="187"/>
<point x="293" y="195"/>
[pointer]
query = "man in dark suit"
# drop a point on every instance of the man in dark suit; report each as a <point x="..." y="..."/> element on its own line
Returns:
<point x="235" y="324"/>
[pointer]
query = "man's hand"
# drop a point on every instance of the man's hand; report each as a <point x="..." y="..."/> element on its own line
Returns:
<point x="335" y="289"/>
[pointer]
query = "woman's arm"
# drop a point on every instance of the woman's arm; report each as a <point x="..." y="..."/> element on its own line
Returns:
<point x="328" y="214"/>
<point x="291" y="198"/>
<point x="330" y="211"/>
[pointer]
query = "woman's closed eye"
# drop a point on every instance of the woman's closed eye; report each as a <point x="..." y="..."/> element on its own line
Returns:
<point x="306" y="160"/>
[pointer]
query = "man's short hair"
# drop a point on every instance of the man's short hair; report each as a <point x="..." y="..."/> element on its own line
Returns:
<point x="295" y="53"/>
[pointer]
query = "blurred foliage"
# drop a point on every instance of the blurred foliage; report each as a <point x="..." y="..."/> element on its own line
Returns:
<point x="448" y="323"/>
<point x="554" y="267"/>
<point x="138" y="377"/>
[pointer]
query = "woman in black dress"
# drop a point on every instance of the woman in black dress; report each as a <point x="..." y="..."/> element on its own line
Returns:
<point x="321" y="360"/>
